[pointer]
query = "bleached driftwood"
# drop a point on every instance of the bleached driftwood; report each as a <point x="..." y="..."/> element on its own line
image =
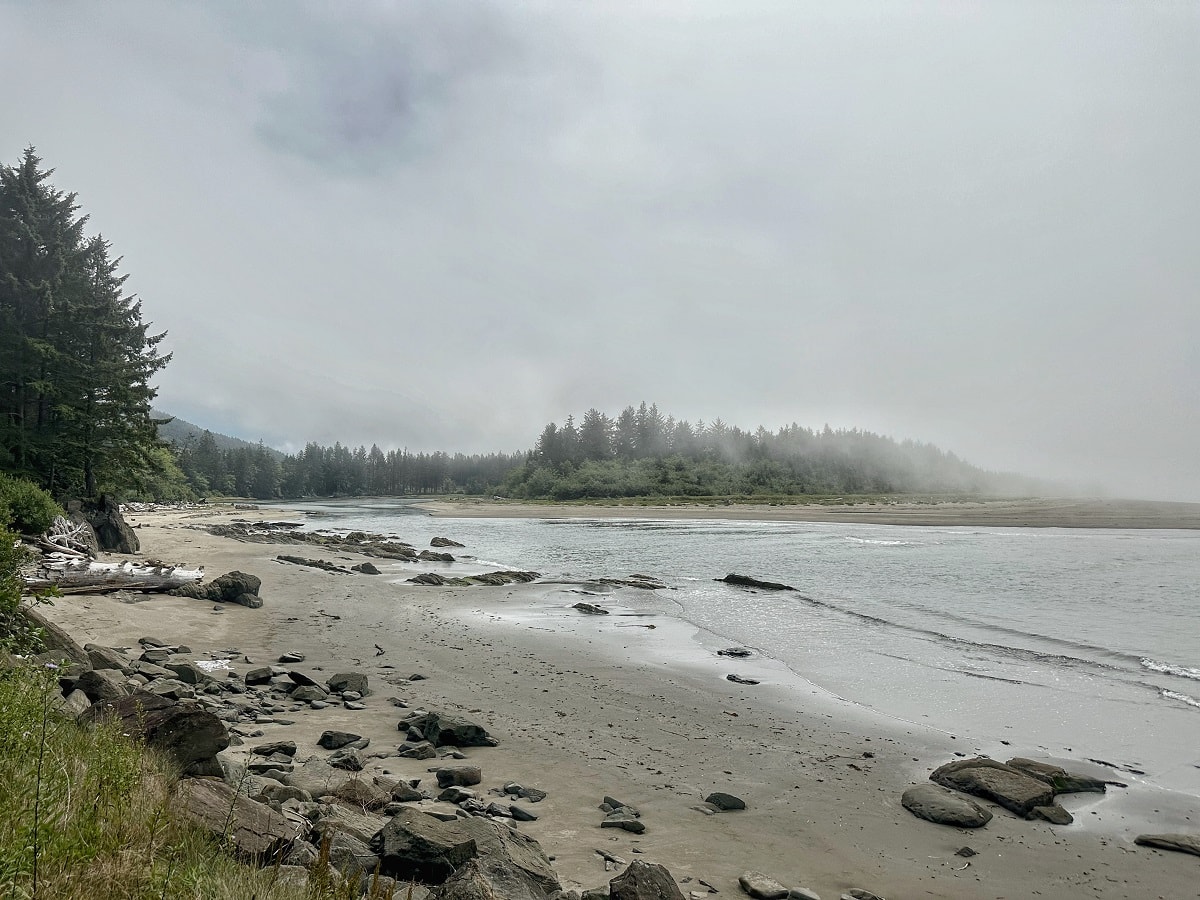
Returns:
<point x="64" y="537"/>
<point x="72" y="574"/>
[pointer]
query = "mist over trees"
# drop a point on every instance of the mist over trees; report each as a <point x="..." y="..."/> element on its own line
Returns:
<point x="644" y="453"/>
<point x="640" y="453"/>
<point x="76" y="359"/>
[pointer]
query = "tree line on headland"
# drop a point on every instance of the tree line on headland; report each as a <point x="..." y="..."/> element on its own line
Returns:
<point x="76" y="369"/>
<point x="640" y="453"/>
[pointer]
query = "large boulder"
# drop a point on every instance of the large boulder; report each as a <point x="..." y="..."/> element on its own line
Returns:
<point x="443" y="730"/>
<point x="191" y="735"/>
<point x="938" y="804"/>
<point x="254" y="830"/>
<point x="102" y="684"/>
<point x="646" y="881"/>
<point x="232" y="587"/>
<point x="513" y="858"/>
<point x="992" y="780"/>
<point x="1057" y="777"/>
<point x="111" y="530"/>
<point x="415" y="846"/>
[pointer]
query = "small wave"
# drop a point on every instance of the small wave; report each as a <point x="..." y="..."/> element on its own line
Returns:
<point x="856" y="540"/>
<point x="1167" y="669"/>
<point x="1182" y="698"/>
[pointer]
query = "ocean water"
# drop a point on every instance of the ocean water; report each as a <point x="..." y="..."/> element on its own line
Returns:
<point x="1082" y="643"/>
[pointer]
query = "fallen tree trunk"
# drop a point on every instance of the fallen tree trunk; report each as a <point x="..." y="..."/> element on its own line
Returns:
<point x="75" y="575"/>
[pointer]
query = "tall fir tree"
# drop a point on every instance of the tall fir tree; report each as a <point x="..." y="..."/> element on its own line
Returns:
<point x="76" y="359"/>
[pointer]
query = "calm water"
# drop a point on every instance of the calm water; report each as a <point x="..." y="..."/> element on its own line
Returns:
<point x="1076" y="642"/>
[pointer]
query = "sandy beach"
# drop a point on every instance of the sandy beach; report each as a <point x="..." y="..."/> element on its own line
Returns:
<point x="587" y="706"/>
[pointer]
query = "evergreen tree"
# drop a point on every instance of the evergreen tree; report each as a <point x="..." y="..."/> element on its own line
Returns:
<point x="76" y="359"/>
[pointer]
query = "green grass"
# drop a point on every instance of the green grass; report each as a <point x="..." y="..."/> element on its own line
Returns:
<point x="86" y="813"/>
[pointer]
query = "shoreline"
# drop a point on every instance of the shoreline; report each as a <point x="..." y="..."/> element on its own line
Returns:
<point x="582" y="709"/>
<point x="1038" y="513"/>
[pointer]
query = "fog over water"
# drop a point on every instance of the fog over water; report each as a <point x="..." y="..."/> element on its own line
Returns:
<point x="441" y="225"/>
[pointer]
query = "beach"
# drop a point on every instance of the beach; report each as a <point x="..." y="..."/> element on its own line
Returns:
<point x="1026" y="513"/>
<point x="585" y="707"/>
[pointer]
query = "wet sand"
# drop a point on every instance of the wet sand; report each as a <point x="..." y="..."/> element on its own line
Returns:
<point x="587" y="706"/>
<point x="1037" y="513"/>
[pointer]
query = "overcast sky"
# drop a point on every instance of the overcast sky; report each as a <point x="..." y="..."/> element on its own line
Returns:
<point x="442" y="224"/>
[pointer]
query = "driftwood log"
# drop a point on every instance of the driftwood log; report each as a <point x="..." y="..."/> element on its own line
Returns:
<point x="71" y="574"/>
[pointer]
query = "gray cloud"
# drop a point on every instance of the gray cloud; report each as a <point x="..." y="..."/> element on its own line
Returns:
<point x="441" y="225"/>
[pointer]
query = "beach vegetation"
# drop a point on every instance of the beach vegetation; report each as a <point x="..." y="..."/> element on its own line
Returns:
<point x="85" y="812"/>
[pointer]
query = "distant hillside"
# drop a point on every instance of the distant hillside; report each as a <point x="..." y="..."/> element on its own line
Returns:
<point x="183" y="433"/>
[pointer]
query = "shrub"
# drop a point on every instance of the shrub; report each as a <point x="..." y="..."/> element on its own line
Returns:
<point x="25" y="507"/>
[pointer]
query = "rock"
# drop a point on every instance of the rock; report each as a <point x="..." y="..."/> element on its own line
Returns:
<point x="418" y="847"/>
<point x="738" y="679"/>
<point x="1181" y="843"/>
<point x="75" y="704"/>
<point x="260" y="675"/>
<point x="335" y="740"/>
<point x="112" y="532"/>
<point x="105" y="657"/>
<point x="359" y="793"/>
<point x="291" y="657"/>
<point x="317" y="777"/>
<point x="309" y="693"/>
<point x="187" y="672"/>
<point x="102" y="684"/>
<point x="1060" y="779"/>
<point x="280" y="792"/>
<point x="762" y="887"/>
<point x="802" y="893"/>
<point x="287" y="748"/>
<point x="432" y="556"/>
<point x="986" y="778"/>
<point x="737" y="652"/>
<point x="347" y="758"/>
<point x="747" y="581"/>
<point x="644" y="881"/>
<point x="256" y="831"/>
<point x="533" y="795"/>
<point x="945" y="807"/>
<point x="302" y="679"/>
<point x="591" y="609"/>
<point x="445" y="542"/>
<point x="351" y="856"/>
<point x="365" y="568"/>
<point x="443" y="730"/>
<point x="521" y="814"/>
<point x="186" y="732"/>
<point x="859" y="894"/>
<point x="419" y="750"/>
<point x="233" y="587"/>
<point x="460" y="776"/>
<point x="725" y="801"/>
<point x="348" y="681"/>
<point x="514" y="860"/>
<point x="456" y="794"/>
<point x="330" y="818"/>
<point x="965" y="852"/>
<point x="623" y="818"/>
<point x="1054" y="814"/>
<point x="472" y="881"/>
